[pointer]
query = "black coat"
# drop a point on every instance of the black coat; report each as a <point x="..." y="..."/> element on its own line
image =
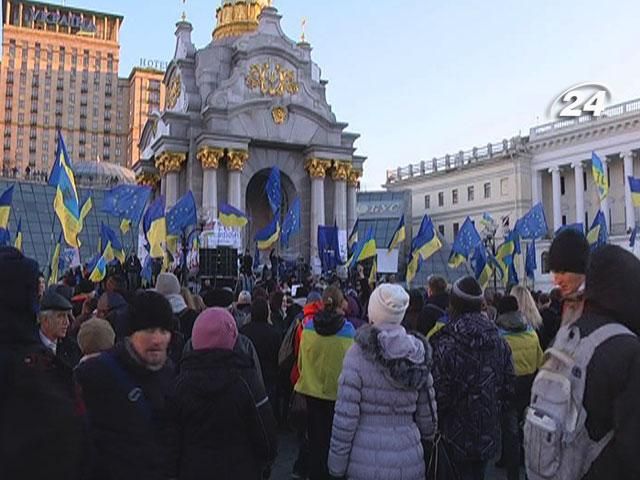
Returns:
<point x="127" y="429"/>
<point x="611" y="396"/>
<point x="215" y="428"/>
<point x="41" y="429"/>
<point x="266" y="339"/>
<point x="434" y="310"/>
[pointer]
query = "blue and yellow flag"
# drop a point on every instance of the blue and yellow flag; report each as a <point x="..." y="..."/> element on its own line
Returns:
<point x="18" y="242"/>
<point x="482" y="268"/>
<point x="155" y="228"/>
<point x="423" y="246"/>
<point x="399" y="235"/>
<point x="66" y="203"/>
<point x="353" y="236"/>
<point x="268" y="236"/>
<point x="505" y="256"/>
<point x="364" y="249"/>
<point x="373" y="274"/>
<point x="6" y="199"/>
<point x="55" y="262"/>
<point x="599" y="176"/>
<point x="126" y="202"/>
<point x="182" y="215"/>
<point x="533" y="224"/>
<point x="634" y="186"/>
<point x="99" y="271"/>
<point x="231" y="217"/>
<point x="112" y="246"/>
<point x="598" y="234"/>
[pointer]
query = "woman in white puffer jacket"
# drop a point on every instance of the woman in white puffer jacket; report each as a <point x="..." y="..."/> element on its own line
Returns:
<point x="386" y="403"/>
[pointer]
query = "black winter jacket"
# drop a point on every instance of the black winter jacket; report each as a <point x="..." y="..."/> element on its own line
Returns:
<point x="612" y="391"/>
<point x="215" y="428"/>
<point x="125" y="404"/>
<point x="474" y="381"/>
<point x="266" y="339"/>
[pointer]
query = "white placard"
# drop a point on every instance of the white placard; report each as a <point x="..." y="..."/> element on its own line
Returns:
<point x="387" y="261"/>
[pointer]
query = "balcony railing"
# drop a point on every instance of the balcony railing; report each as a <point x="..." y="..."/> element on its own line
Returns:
<point x="630" y="107"/>
<point x="460" y="159"/>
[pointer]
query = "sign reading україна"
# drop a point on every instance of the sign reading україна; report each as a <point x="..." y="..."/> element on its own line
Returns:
<point x="32" y="16"/>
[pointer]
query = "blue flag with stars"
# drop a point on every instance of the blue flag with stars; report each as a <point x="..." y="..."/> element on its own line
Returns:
<point x="126" y="202"/>
<point x="533" y="224"/>
<point x="291" y="224"/>
<point x="467" y="239"/>
<point x="182" y="215"/>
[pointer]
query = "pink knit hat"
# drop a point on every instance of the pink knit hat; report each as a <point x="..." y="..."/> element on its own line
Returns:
<point x="214" y="328"/>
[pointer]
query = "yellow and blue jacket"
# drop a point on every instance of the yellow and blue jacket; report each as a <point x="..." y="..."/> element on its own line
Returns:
<point x="524" y="343"/>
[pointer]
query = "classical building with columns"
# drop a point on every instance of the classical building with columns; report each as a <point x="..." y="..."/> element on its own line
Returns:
<point x="551" y="165"/>
<point x="250" y="100"/>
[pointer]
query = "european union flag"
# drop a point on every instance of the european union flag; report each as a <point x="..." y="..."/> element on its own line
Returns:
<point x="465" y="242"/>
<point x="531" y="262"/>
<point x="598" y="233"/>
<point x="533" y="224"/>
<point x="274" y="189"/>
<point x="182" y="215"/>
<point x="328" y="248"/>
<point x="599" y="177"/>
<point x="127" y="202"/>
<point x="291" y="224"/>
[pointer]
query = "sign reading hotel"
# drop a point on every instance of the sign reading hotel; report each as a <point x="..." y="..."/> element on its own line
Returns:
<point x="32" y="16"/>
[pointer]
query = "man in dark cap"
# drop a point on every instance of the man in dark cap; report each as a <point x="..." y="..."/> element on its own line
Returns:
<point x="40" y="429"/>
<point x="54" y="319"/>
<point x="124" y="392"/>
<point x="612" y="386"/>
<point x="474" y="381"/>
<point x="568" y="257"/>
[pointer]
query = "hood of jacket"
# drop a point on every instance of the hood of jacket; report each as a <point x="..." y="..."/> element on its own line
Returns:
<point x="405" y="358"/>
<point x="208" y="372"/>
<point x="328" y="323"/>
<point x="312" y="309"/>
<point x="474" y="330"/>
<point x="512" y="322"/>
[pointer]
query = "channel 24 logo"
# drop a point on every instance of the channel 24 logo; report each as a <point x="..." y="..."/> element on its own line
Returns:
<point x="582" y="99"/>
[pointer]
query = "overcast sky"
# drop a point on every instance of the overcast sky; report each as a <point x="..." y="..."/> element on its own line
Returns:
<point x="423" y="78"/>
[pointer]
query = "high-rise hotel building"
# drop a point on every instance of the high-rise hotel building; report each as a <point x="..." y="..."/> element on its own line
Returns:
<point x="60" y="72"/>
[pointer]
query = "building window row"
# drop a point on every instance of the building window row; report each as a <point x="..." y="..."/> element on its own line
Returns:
<point x="455" y="196"/>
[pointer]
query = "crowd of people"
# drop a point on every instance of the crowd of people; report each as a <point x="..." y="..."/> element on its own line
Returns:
<point x="106" y="382"/>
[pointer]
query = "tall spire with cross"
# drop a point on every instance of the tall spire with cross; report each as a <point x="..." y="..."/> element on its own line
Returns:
<point x="184" y="11"/>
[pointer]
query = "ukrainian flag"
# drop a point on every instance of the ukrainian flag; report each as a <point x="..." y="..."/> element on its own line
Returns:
<point x="155" y="228"/>
<point x="364" y="249"/>
<point x="373" y="275"/>
<point x="634" y="186"/>
<point x="268" y="236"/>
<point x="353" y="237"/>
<point x="66" y="203"/>
<point x="413" y="267"/>
<point x="599" y="177"/>
<point x="231" y="217"/>
<point x="482" y="268"/>
<point x="5" y="207"/>
<point x="399" y="236"/>
<point x="99" y="271"/>
<point x="598" y="234"/>
<point x="18" y="242"/>
<point x="112" y="246"/>
<point x="423" y="246"/>
<point x="55" y="262"/>
<point x="504" y="257"/>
